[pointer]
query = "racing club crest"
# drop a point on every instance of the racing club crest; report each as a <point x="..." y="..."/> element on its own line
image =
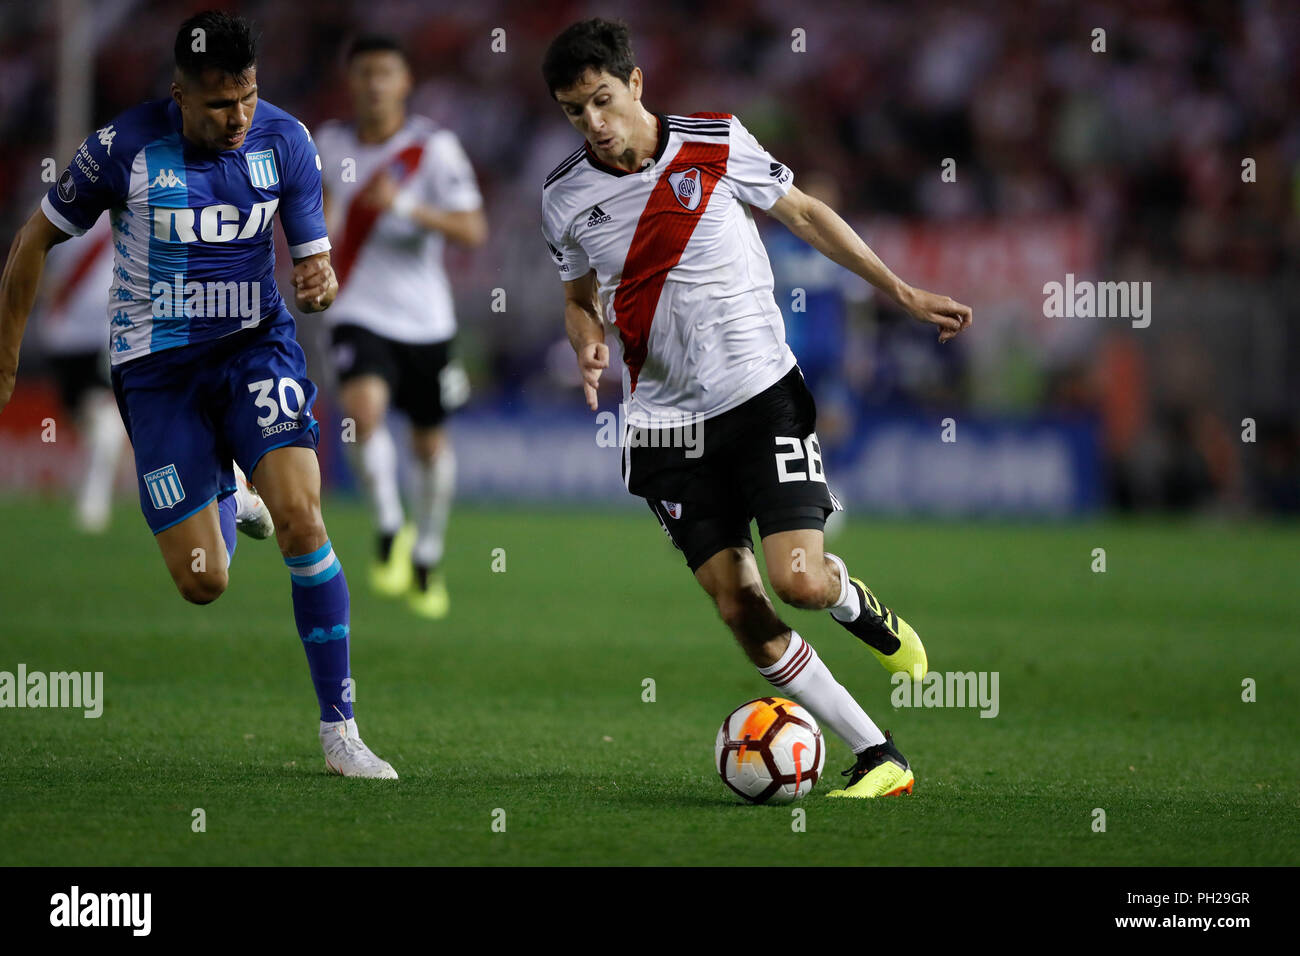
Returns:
<point x="261" y="168"/>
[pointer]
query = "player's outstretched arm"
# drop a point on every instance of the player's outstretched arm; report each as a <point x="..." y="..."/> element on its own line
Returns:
<point x="466" y="227"/>
<point x="822" y="228"/>
<point x="22" y="276"/>
<point x="586" y="333"/>
<point x="314" y="282"/>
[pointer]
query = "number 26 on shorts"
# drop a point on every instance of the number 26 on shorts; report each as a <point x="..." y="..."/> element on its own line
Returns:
<point x="797" y="451"/>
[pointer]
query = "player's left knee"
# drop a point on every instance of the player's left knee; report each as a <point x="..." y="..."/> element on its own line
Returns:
<point x="202" y="587"/>
<point x="803" y="589"/>
<point x="299" y="527"/>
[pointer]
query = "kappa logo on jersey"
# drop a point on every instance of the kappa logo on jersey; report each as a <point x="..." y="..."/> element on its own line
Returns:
<point x="598" y="217"/>
<point x="261" y="168"/>
<point x="686" y="186"/>
<point x="778" y="172"/>
<point x="167" y="179"/>
<point x="106" y="137"/>
<point x="165" y="489"/>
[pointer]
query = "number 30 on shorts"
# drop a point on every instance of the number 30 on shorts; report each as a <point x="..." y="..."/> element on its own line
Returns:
<point x="797" y="451"/>
<point x="264" y="400"/>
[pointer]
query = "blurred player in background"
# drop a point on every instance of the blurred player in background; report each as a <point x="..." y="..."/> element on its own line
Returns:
<point x="206" y="367"/>
<point x="814" y="295"/>
<point x="396" y="188"/>
<point x="650" y="224"/>
<point x="75" y="292"/>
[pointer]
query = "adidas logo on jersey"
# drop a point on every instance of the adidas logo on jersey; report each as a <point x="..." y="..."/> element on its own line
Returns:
<point x="168" y="179"/>
<point x="598" y="217"/>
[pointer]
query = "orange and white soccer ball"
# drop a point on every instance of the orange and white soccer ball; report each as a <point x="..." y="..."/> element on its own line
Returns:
<point x="770" y="750"/>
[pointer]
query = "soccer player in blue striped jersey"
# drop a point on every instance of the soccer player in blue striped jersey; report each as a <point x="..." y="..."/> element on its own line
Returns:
<point x="206" y="368"/>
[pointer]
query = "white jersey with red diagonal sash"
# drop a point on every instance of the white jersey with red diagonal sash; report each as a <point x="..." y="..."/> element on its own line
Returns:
<point x="77" y="278"/>
<point x="680" y="269"/>
<point x="390" y="271"/>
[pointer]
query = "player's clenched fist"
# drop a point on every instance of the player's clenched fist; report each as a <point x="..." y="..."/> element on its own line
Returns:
<point x="314" y="283"/>
<point x="941" y="310"/>
<point x="592" y="360"/>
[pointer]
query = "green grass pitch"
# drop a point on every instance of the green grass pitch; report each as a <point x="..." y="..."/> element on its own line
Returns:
<point x="1120" y="691"/>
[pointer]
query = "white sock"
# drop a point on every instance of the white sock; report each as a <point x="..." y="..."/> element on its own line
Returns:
<point x="374" y="461"/>
<point x="104" y="438"/>
<point x="801" y="674"/>
<point x="437" y="486"/>
<point x="848" y="606"/>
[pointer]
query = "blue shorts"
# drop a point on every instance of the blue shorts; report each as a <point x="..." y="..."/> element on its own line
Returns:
<point x="189" y="411"/>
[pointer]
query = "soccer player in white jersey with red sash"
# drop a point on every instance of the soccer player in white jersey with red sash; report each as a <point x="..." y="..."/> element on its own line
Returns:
<point x="651" y="227"/>
<point x="396" y="187"/>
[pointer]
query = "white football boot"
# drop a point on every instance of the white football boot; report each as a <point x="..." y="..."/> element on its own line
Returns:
<point x="251" y="516"/>
<point x="346" y="754"/>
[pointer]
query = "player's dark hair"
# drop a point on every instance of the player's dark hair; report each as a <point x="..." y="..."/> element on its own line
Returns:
<point x="225" y="43"/>
<point x="593" y="44"/>
<point x="374" y="43"/>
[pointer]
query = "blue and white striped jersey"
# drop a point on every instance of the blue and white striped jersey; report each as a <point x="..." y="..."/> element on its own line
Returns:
<point x="193" y="231"/>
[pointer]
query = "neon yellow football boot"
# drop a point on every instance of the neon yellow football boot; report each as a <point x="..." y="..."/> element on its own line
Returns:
<point x="392" y="578"/>
<point x="881" y="771"/>
<point x="888" y="636"/>
<point x="431" y="601"/>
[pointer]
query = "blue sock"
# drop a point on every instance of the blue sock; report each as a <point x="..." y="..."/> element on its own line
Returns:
<point x="227" y="508"/>
<point x="321" y="610"/>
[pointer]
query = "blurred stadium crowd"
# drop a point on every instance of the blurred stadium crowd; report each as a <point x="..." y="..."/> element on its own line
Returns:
<point x="1139" y="149"/>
